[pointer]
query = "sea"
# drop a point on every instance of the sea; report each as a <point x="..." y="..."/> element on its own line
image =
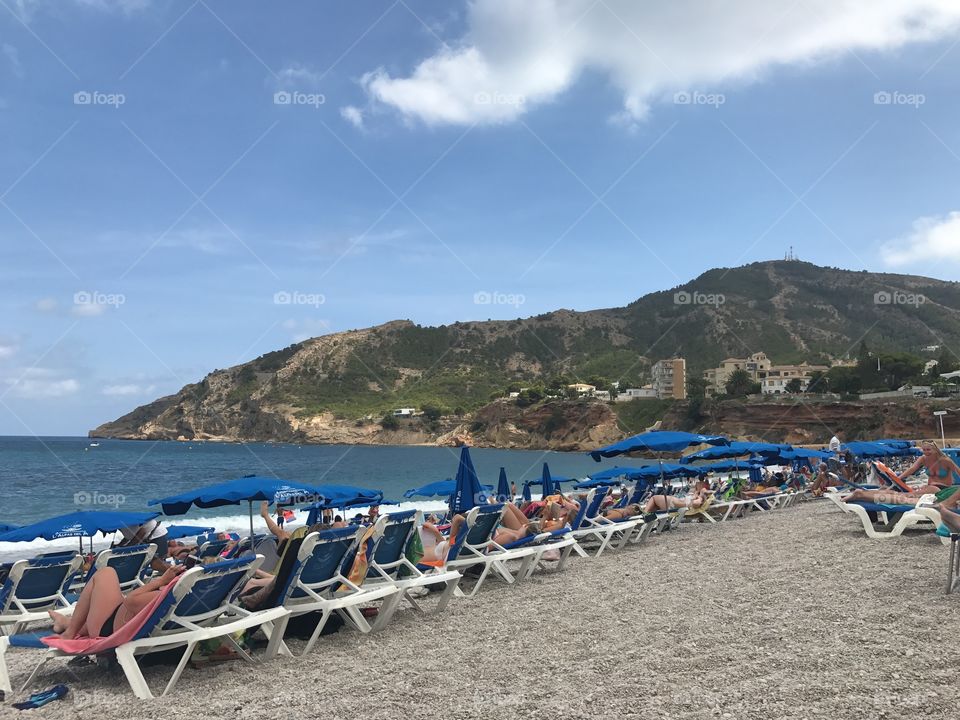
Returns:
<point x="45" y="476"/>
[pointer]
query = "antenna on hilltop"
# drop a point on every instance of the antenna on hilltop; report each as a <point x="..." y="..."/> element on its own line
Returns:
<point x="790" y="255"/>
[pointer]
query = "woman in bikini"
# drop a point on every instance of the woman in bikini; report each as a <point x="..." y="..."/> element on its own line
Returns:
<point x="942" y="473"/>
<point x="555" y="514"/>
<point x="696" y="497"/>
<point x="102" y="608"/>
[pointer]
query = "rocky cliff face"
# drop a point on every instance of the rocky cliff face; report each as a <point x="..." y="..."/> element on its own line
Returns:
<point x="812" y="422"/>
<point x="334" y="388"/>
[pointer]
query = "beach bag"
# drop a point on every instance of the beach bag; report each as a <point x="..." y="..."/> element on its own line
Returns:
<point x="413" y="554"/>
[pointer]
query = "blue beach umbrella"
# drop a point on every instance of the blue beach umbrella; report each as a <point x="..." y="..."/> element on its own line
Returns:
<point x="736" y="449"/>
<point x="549" y="488"/>
<point x="176" y="532"/>
<point x="527" y="497"/>
<point x="727" y="466"/>
<point x="440" y="488"/>
<point x="503" y="487"/>
<point x="610" y="473"/>
<point x="468" y="492"/>
<point x="251" y="489"/>
<point x="80" y="524"/>
<point x="657" y="441"/>
<point x="7" y="528"/>
<point x="867" y="450"/>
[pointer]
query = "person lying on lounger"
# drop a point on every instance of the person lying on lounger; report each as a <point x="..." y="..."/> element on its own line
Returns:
<point x="629" y="511"/>
<point x="555" y="514"/>
<point x="102" y="608"/>
<point x="942" y="472"/>
<point x="694" y="499"/>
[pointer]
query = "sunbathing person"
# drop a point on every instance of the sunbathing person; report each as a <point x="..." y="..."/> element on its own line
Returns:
<point x="823" y="479"/>
<point x="694" y="499"/>
<point x="629" y="511"/>
<point x="102" y="608"/>
<point x="436" y="545"/>
<point x="555" y="514"/>
<point x="941" y="474"/>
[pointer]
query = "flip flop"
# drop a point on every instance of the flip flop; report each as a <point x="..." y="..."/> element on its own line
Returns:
<point x="39" y="699"/>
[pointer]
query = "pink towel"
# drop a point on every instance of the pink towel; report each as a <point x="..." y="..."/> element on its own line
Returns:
<point x="95" y="645"/>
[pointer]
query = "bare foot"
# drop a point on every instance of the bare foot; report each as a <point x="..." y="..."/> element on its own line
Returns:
<point x="60" y="622"/>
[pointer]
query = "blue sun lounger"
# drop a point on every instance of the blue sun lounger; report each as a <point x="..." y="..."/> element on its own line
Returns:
<point x="128" y="562"/>
<point x="32" y="587"/>
<point x="201" y="606"/>
<point x="318" y="583"/>
<point x="389" y="565"/>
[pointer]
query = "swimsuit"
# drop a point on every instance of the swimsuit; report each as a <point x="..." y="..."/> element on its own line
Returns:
<point x="106" y="630"/>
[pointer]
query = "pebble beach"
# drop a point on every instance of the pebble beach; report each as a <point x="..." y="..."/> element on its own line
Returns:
<point x="787" y="614"/>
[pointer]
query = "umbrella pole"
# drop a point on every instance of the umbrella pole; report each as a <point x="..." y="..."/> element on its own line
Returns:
<point x="80" y="538"/>
<point x="250" y="506"/>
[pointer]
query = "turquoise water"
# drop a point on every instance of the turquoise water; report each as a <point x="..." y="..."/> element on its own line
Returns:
<point x="41" y="477"/>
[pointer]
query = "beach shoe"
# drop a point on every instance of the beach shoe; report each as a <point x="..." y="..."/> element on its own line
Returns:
<point x="944" y="531"/>
<point x="39" y="699"/>
<point x="551" y="555"/>
<point x="369" y="612"/>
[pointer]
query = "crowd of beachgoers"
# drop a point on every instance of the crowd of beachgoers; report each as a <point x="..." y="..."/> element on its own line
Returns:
<point x="156" y="606"/>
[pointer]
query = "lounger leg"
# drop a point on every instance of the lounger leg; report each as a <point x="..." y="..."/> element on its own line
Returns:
<point x="580" y="551"/>
<point x="324" y="616"/>
<point x="274" y="632"/>
<point x="447" y="594"/>
<point x="353" y="615"/>
<point x="26" y="683"/>
<point x="134" y="675"/>
<point x="4" y="671"/>
<point x="187" y="653"/>
<point x="953" y="557"/>
<point x="387" y="609"/>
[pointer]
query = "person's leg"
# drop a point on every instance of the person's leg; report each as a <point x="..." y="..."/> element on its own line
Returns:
<point x="949" y="517"/>
<point x="513" y="518"/>
<point x="98" y="599"/>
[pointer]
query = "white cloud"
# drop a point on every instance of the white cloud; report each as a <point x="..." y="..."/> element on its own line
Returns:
<point x="46" y="305"/>
<point x="88" y="309"/>
<point x="296" y="75"/>
<point x="517" y="55"/>
<point x="27" y="8"/>
<point x="37" y="383"/>
<point x="125" y="390"/>
<point x="211" y="241"/>
<point x="7" y="350"/>
<point x="352" y="115"/>
<point x="933" y="239"/>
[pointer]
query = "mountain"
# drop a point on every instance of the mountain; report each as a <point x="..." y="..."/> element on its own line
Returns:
<point x="334" y="388"/>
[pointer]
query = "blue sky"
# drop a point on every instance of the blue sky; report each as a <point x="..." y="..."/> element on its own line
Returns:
<point x="174" y="172"/>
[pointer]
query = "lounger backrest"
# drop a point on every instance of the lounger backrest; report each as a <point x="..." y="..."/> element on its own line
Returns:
<point x="457" y="544"/>
<point x="320" y="558"/>
<point x="211" y="548"/>
<point x="128" y="562"/>
<point x="202" y="594"/>
<point x="484" y="523"/>
<point x="38" y="583"/>
<point x="393" y="533"/>
<point x="593" y="504"/>
<point x="582" y="510"/>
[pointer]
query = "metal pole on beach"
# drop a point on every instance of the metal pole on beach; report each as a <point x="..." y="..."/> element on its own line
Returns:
<point x="940" y="414"/>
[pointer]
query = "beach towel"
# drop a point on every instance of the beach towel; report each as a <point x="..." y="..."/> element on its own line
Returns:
<point x="361" y="561"/>
<point x="97" y="645"/>
<point x="413" y="552"/>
